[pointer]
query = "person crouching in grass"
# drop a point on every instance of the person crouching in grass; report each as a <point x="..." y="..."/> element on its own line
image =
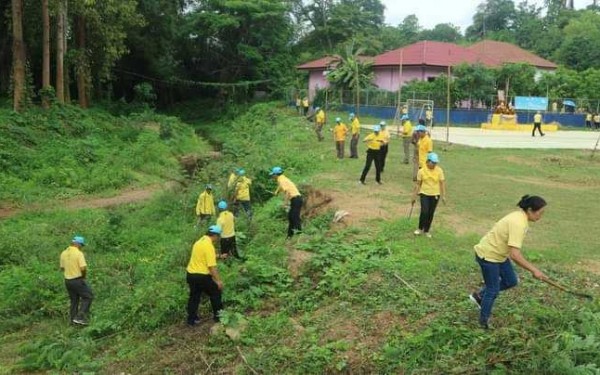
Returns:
<point x="430" y="186"/>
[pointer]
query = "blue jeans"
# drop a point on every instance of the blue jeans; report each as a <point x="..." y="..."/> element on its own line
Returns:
<point x="497" y="277"/>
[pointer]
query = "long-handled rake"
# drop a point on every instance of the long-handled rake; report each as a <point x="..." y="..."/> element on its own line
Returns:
<point x="564" y="289"/>
<point x="412" y="206"/>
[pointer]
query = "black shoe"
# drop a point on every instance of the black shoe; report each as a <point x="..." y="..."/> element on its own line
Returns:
<point x="476" y="299"/>
<point x="485" y="325"/>
<point x="543" y="135"/>
<point x="361" y="182"/>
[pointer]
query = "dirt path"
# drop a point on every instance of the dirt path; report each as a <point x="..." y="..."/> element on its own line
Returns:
<point x="124" y="197"/>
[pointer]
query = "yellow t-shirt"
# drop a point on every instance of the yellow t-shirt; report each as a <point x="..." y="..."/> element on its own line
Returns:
<point x="509" y="231"/>
<point x="430" y="180"/>
<point x="287" y="186"/>
<point x="240" y="186"/>
<point x="425" y="147"/>
<point x="374" y="141"/>
<point x="205" y="204"/>
<point x="320" y="117"/>
<point x="340" y="131"/>
<point x="428" y="115"/>
<point x="203" y="256"/>
<point x="588" y="117"/>
<point x="407" y="129"/>
<point x="305" y="103"/>
<point x="596" y="118"/>
<point x="355" y="126"/>
<point x="385" y="134"/>
<point x="226" y="222"/>
<point x="72" y="261"/>
<point x="537" y="118"/>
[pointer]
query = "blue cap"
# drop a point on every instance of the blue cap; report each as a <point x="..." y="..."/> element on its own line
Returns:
<point x="215" y="229"/>
<point x="433" y="157"/>
<point x="276" y="171"/>
<point x="317" y="108"/>
<point x="209" y="186"/>
<point x="404" y="117"/>
<point x="79" y="239"/>
<point x="376" y="128"/>
<point x="382" y="124"/>
<point x="222" y="205"/>
<point x="338" y="119"/>
<point x="240" y="171"/>
<point x="351" y="115"/>
<point x="420" y="128"/>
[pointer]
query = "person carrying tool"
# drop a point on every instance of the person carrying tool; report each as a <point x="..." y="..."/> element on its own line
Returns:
<point x="291" y="195"/>
<point x="305" y="105"/>
<point x="430" y="187"/>
<point x="203" y="276"/>
<point x="407" y="132"/>
<point x="205" y="207"/>
<point x="425" y="145"/>
<point x="355" y="130"/>
<point x="226" y="221"/>
<point x="239" y="186"/>
<point x="385" y="134"/>
<point x="537" y="124"/>
<point x="374" y="142"/>
<point x="496" y="250"/>
<point x="319" y="122"/>
<point x="340" y="130"/>
<point x="74" y="268"/>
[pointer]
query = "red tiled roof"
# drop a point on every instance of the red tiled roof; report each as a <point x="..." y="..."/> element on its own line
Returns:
<point x="509" y="53"/>
<point x="326" y="62"/>
<point x="433" y="54"/>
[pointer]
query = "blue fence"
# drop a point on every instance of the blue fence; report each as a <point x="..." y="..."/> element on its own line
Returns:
<point x="472" y="116"/>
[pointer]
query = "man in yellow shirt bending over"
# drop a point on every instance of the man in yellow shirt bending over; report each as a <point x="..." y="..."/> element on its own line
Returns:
<point x="74" y="267"/>
<point x="226" y="221"/>
<point x="203" y="276"/>
<point x="239" y="186"/>
<point x="293" y="196"/>
<point x="374" y="142"/>
<point x="339" y="135"/>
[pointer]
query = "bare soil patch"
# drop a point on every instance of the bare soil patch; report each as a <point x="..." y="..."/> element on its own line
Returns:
<point x="296" y="260"/>
<point x="549" y="182"/>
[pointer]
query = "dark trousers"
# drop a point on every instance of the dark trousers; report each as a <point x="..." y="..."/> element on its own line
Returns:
<point x="79" y="291"/>
<point x="339" y="147"/>
<point x="537" y="126"/>
<point x="319" y="131"/>
<point x="246" y="206"/>
<point x="199" y="284"/>
<point x="497" y="277"/>
<point x="354" y="147"/>
<point x="428" y="206"/>
<point x="383" y="155"/>
<point x="597" y="125"/>
<point x="305" y="111"/>
<point x="588" y="124"/>
<point x="228" y="246"/>
<point x="294" y="222"/>
<point x="372" y="156"/>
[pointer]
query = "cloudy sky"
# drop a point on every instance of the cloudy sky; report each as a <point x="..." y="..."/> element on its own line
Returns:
<point x="432" y="12"/>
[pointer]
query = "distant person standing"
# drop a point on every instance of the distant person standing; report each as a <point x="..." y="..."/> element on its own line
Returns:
<point x="239" y="186"/>
<point x="299" y="105"/>
<point x="74" y="268"/>
<point x="407" y="130"/>
<point x="385" y="134"/>
<point x="374" y="142"/>
<point x="203" y="276"/>
<point x="430" y="187"/>
<point x="416" y="136"/>
<point x="319" y="122"/>
<point x="425" y="145"/>
<point x="291" y="195"/>
<point x="205" y="207"/>
<point x="588" y="120"/>
<point x="429" y="118"/>
<point x="537" y="124"/>
<point x="355" y="130"/>
<point x="597" y="121"/>
<point x="305" y="105"/>
<point x="339" y="135"/>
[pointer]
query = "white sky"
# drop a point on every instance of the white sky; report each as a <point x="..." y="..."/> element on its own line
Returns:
<point x="432" y="12"/>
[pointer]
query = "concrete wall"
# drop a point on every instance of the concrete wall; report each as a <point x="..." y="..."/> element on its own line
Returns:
<point x="388" y="77"/>
<point x="316" y="81"/>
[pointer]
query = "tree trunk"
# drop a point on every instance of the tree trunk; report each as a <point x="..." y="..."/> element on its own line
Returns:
<point x="46" y="52"/>
<point x="82" y="76"/>
<point x="60" y="53"/>
<point x="18" y="55"/>
<point x="67" y="64"/>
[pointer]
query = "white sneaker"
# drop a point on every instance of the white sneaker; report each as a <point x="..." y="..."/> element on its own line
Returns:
<point x="427" y="234"/>
<point x="417" y="232"/>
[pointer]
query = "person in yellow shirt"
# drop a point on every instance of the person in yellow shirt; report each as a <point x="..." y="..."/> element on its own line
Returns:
<point x="205" y="207"/>
<point x="299" y="105"/>
<point x="203" y="277"/>
<point x="305" y="105"/>
<point x="355" y="130"/>
<point x="226" y="221"/>
<point x="340" y="130"/>
<point x="407" y="132"/>
<point x="291" y="195"/>
<point x="588" y="120"/>
<point x="319" y="122"/>
<point x="496" y="250"/>
<point x="430" y="187"/>
<point x="383" y="151"/>
<point x="425" y="145"/>
<point x="74" y="268"/>
<point x="374" y="142"/>
<point x="239" y="187"/>
<point x="596" y="118"/>
<point x="537" y="124"/>
<point x="429" y="118"/>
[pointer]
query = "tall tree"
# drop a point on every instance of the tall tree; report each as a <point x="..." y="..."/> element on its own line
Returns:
<point x="60" y="51"/>
<point x="492" y="16"/>
<point x="442" y="32"/>
<point x="46" y="52"/>
<point x="19" y="55"/>
<point x="580" y="46"/>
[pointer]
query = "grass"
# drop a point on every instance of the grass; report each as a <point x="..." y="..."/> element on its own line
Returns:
<point x="343" y="309"/>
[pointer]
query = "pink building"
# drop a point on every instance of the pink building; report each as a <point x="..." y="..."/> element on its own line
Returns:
<point x="426" y="60"/>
